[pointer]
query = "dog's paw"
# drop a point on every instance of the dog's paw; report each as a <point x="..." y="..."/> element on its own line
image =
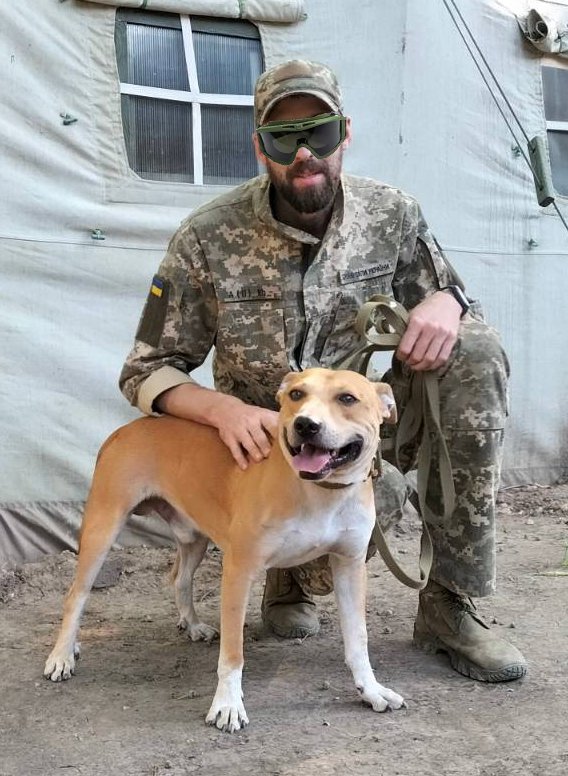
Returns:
<point x="227" y="711"/>
<point x="381" y="698"/>
<point x="227" y="718"/>
<point x="60" y="666"/>
<point x="198" y="631"/>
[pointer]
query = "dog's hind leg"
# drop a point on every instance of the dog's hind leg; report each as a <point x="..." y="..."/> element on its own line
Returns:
<point x="350" y="582"/>
<point x="190" y="555"/>
<point x="102" y="521"/>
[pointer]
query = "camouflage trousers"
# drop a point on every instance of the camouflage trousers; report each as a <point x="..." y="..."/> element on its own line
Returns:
<point x="473" y="409"/>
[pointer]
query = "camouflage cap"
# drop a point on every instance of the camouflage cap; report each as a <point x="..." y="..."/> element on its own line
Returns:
<point x="297" y="76"/>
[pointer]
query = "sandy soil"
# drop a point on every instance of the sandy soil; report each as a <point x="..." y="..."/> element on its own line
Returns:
<point x="137" y="704"/>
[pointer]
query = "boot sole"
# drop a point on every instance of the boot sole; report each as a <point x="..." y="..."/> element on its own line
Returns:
<point x="433" y="645"/>
<point x="298" y="632"/>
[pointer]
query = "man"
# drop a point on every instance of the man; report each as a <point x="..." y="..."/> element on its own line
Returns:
<point x="273" y="274"/>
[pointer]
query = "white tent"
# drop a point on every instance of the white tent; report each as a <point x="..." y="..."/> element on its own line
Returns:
<point x="81" y="233"/>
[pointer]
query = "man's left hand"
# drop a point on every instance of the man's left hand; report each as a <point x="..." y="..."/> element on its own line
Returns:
<point x="431" y="333"/>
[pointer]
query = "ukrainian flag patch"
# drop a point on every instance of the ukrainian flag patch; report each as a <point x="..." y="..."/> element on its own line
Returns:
<point x="157" y="287"/>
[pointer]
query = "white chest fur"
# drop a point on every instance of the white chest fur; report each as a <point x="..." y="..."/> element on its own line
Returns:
<point x="341" y="526"/>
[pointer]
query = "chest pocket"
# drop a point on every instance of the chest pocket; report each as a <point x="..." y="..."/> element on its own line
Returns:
<point x="250" y="335"/>
<point x="341" y="337"/>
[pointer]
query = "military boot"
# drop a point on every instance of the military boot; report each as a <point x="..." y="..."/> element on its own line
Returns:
<point x="448" y="622"/>
<point x="287" y="609"/>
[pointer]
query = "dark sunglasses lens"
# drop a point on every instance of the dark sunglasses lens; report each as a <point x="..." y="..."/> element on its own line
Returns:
<point x="323" y="139"/>
<point x="282" y="146"/>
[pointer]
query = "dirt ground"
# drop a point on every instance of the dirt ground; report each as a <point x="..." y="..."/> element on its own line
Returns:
<point x="137" y="704"/>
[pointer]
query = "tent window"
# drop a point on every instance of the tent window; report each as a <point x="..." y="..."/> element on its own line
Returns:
<point x="555" y="86"/>
<point x="186" y="88"/>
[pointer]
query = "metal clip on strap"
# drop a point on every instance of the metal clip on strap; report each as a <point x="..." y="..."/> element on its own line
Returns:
<point x="381" y="322"/>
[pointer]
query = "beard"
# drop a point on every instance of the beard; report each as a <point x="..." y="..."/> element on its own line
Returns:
<point x="315" y="198"/>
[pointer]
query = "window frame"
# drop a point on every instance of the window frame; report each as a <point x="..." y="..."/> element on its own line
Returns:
<point x="554" y="126"/>
<point x="194" y="96"/>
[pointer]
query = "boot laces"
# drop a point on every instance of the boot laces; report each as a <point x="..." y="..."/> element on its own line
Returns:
<point x="460" y="606"/>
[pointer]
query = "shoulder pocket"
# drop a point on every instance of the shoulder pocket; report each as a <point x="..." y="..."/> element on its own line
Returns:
<point x="153" y="318"/>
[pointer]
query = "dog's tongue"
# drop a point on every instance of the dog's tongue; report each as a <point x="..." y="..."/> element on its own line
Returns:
<point x="311" y="459"/>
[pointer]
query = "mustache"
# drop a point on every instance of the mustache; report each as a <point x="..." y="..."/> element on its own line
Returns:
<point x="309" y="167"/>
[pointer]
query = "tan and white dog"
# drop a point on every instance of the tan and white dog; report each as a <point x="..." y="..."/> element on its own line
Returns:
<point x="311" y="496"/>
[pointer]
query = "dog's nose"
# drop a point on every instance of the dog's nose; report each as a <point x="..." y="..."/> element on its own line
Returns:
<point x="306" y="427"/>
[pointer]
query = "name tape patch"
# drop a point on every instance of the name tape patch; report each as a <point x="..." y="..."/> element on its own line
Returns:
<point x="364" y="273"/>
<point x="251" y="294"/>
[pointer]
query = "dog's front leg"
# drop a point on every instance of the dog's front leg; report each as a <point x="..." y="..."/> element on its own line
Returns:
<point x="350" y="584"/>
<point x="227" y="711"/>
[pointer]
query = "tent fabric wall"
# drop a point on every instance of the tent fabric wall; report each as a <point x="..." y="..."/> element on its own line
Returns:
<point x="458" y="158"/>
<point x="422" y="120"/>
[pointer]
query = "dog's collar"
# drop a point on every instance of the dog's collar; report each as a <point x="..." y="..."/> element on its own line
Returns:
<point x="335" y="485"/>
<point x="374" y="472"/>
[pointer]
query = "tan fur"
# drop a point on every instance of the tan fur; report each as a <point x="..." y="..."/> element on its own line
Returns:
<point x="264" y="517"/>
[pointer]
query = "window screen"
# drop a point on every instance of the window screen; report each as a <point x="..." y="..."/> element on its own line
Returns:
<point x="555" y="86"/>
<point x="187" y="96"/>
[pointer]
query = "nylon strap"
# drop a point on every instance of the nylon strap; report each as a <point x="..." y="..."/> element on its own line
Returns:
<point x="381" y="322"/>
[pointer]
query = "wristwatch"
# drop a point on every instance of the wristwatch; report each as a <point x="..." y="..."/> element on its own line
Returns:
<point x="460" y="298"/>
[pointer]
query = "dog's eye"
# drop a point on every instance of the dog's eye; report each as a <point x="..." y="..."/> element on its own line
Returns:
<point x="347" y="399"/>
<point x="295" y="394"/>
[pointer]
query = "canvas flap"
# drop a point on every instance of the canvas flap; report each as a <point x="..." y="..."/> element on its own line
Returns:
<point x="288" y="11"/>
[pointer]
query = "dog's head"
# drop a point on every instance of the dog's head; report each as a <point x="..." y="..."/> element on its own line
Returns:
<point x="329" y="422"/>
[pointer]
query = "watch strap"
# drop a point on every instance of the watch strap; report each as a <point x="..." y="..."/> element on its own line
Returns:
<point x="460" y="298"/>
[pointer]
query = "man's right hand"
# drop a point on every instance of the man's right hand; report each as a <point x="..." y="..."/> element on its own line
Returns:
<point x="247" y="431"/>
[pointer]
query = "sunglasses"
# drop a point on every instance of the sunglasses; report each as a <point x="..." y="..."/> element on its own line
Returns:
<point x="280" y="140"/>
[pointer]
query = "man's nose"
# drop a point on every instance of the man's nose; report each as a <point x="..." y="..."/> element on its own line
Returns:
<point x="303" y="154"/>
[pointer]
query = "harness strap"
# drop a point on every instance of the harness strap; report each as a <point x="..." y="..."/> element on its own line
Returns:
<point x="381" y="322"/>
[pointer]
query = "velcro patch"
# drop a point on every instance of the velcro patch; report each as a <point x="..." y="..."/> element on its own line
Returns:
<point x="154" y="316"/>
<point x="157" y="287"/>
<point x="250" y="294"/>
<point x="365" y="273"/>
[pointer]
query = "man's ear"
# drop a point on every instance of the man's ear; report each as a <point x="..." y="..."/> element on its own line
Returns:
<point x="283" y="387"/>
<point x="386" y="402"/>
<point x="257" y="152"/>
<point x="348" y="133"/>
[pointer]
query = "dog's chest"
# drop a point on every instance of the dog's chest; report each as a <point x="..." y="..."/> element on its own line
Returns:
<point x="311" y="533"/>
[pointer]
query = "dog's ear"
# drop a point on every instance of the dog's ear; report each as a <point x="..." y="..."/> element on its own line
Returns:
<point x="386" y="402"/>
<point x="284" y="386"/>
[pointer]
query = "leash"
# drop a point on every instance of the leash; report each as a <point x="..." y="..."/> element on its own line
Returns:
<point x="381" y="322"/>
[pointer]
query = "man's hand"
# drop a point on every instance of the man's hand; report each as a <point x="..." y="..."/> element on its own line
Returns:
<point x="246" y="430"/>
<point x="431" y="333"/>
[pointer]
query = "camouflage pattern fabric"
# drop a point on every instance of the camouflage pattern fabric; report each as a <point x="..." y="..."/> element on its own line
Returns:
<point x="296" y="76"/>
<point x="474" y="406"/>
<point x="273" y="298"/>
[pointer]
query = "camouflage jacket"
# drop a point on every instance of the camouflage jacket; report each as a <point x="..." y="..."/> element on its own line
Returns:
<point x="271" y="298"/>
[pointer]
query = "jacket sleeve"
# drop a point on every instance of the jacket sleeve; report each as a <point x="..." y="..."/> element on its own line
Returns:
<point x="178" y="324"/>
<point x="422" y="269"/>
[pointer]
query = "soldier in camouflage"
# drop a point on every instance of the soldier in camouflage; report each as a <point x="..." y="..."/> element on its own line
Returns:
<point x="272" y="275"/>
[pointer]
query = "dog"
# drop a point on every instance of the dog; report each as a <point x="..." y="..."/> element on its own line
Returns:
<point x="311" y="496"/>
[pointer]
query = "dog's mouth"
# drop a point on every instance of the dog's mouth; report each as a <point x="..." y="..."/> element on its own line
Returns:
<point x="314" y="463"/>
